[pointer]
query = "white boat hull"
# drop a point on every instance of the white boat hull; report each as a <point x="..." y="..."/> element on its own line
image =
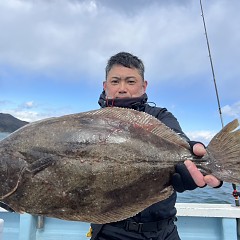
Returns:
<point x="195" y="222"/>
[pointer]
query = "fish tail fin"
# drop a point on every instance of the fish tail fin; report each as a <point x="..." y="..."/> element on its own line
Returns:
<point x="224" y="150"/>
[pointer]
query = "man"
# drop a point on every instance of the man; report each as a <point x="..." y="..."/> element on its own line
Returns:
<point x="125" y="86"/>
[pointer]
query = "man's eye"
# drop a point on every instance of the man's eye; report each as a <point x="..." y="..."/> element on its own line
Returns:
<point x="131" y="82"/>
<point x="114" y="82"/>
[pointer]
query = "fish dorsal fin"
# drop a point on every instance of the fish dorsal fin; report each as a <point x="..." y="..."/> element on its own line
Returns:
<point x="143" y="120"/>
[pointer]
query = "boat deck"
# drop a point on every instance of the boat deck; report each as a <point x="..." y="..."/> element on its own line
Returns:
<point x="195" y="222"/>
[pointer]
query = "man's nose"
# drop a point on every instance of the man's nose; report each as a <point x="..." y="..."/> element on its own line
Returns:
<point x="122" y="87"/>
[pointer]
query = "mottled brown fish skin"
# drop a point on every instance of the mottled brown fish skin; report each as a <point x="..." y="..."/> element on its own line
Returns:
<point x="98" y="166"/>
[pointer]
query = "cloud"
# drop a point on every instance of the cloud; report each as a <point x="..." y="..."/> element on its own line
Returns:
<point x="71" y="40"/>
<point x="229" y="113"/>
<point x="31" y="111"/>
<point x="36" y="114"/>
<point x="135" y="6"/>
<point x="27" y="105"/>
<point x="202" y="136"/>
<point x="28" y="116"/>
<point x="232" y="110"/>
<point x="78" y="36"/>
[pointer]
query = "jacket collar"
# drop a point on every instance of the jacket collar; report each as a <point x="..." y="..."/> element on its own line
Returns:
<point x="137" y="103"/>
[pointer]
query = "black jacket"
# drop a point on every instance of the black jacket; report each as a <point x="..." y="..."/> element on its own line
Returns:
<point x="166" y="208"/>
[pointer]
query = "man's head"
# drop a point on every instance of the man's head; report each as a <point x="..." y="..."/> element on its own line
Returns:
<point x="124" y="76"/>
<point x="126" y="60"/>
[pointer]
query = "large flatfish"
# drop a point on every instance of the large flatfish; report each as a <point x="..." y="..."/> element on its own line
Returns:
<point x="103" y="165"/>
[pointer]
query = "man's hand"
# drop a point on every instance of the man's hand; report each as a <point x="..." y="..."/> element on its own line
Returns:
<point x="199" y="179"/>
<point x="188" y="177"/>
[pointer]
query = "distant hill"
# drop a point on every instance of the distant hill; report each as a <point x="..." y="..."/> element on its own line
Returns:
<point x="8" y="123"/>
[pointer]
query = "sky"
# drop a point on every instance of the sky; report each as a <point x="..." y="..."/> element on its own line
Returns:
<point x="53" y="55"/>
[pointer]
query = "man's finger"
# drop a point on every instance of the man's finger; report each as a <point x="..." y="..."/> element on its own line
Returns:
<point x="199" y="149"/>
<point x="195" y="173"/>
<point x="211" y="181"/>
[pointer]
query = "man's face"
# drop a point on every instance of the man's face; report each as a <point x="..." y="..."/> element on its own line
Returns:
<point x="123" y="82"/>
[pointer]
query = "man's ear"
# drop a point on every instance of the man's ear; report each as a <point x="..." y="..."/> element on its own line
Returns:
<point x="145" y="83"/>
<point x="104" y="85"/>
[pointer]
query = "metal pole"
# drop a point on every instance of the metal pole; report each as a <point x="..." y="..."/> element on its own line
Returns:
<point x="40" y="222"/>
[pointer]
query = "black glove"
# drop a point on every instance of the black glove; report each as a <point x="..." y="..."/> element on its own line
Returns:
<point x="182" y="179"/>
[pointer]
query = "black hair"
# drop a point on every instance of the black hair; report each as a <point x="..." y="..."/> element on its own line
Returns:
<point x="127" y="60"/>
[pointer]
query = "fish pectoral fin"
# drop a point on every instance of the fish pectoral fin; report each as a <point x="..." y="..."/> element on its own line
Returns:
<point x="41" y="164"/>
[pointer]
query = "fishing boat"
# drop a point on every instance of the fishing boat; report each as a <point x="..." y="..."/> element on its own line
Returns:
<point x="194" y="221"/>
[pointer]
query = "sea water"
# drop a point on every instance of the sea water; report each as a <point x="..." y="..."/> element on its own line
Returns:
<point x="199" y="195"/>
<point x="208" y="195"/>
